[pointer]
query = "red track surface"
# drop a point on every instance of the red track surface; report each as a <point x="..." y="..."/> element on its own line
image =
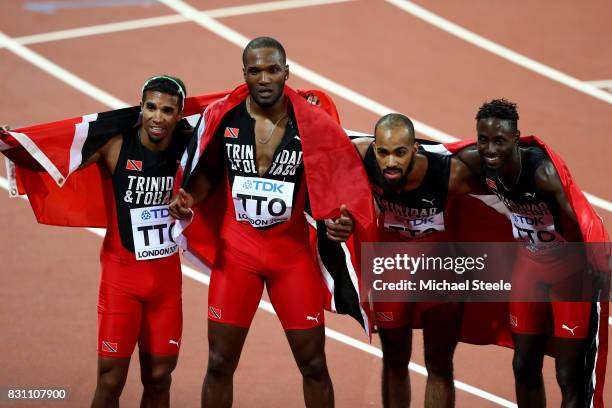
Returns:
<point x="49" y="275"/>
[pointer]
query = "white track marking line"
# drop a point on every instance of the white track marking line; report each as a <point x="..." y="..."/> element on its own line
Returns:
<point x="342" y="91"/>
<point x="60" y="73"/>
<point x="501" y="51"/>
<point x="235" y="37"/>
<point x="240" y="40"/>
<point x="352" y="342"/>
<point x="598" y="202"/>
<point x="332" y="334"/>
<point x="604" y="83"/>
<point x="323" y="82"/>
<point x="170" y="19"/>
<point x="100" y="29"/>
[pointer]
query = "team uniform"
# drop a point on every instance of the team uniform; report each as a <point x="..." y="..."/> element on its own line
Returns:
<point x="264" y="236"/>
<point x="412" y="216"/>
<point x="543" y="268"/>
<point x="140" y="285"/>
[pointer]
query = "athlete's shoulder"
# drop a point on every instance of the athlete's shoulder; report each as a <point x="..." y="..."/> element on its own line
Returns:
<point x="470" y="157"/>
<point x="362" y="144"/>
<point x="111" y="150"/>
<point x="461" y="179"/>
<point x="546" y="177"/>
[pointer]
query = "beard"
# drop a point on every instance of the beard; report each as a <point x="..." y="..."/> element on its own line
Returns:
<point x="403" y="179"/>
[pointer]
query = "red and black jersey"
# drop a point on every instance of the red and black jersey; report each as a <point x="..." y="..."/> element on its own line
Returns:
<point x="535" y="217"/>
<point x="417" y="213"/>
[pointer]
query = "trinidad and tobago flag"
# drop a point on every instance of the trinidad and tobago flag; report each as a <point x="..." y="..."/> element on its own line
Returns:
<point x="231" y="133"/>
<point x="46" y="158"/>
<point x="483" y="218"/>
<point x="59" y="148"/>
<point x="134" y="165"/>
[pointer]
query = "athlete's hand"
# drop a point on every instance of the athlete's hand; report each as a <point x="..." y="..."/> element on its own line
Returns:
<point x="180" y="206"/>
<point x="341" y="228"/>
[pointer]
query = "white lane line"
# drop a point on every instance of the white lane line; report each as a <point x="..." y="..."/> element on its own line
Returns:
<point x="338" y="336"/>
<point x="599" y="202"/>
<point x="500" y="50"/>
<point x="60" y="73"/>
<point x="323" y="82"/>
<point x="238" y="39"/>
<point x="206" y="21"/>
<point x="604" y="83"/>
<point x="170" y="19"/>
<point x="332" y="334"/>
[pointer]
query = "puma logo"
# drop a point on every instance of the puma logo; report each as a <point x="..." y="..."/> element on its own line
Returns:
<point x="176" y="343"/>
<point x="530" y="195"/>
<point x="571" y="330"/>
<point x="313" y="318"/>
<point x="428" y="201"/>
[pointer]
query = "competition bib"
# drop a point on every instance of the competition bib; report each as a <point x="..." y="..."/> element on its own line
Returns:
<point x="262" y="202"/>
<point x="535" y="229"/>
<point x="414" y="227"/>
<point x="152" y="232"/>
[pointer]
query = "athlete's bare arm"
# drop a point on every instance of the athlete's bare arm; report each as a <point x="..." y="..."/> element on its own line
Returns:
<point x="108" y="154"/>
<point x="459" y="179"/>
<point x="362" y="144"/>
<point x="547" y="181"/>
<point x="198" y="188"/>
<point x="471" y="158"/>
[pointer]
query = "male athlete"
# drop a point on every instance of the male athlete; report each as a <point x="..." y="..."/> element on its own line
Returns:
<point x="140" y="285"/>
<point x="412" y="187"/>
<point x="526" y="181"/>
<point x="270" y="168"/>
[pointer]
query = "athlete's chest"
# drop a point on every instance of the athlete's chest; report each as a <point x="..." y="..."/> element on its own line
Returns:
<point x="264" y="178"/>
<point x="248" y="153"/>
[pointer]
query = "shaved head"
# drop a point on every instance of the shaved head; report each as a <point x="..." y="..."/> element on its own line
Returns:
<point x="393" y="121"/>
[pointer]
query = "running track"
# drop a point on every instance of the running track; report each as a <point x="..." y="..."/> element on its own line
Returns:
<point x="437" y="63"/>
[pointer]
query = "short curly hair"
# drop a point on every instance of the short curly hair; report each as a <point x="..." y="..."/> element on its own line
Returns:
<point x="500" y="109"/>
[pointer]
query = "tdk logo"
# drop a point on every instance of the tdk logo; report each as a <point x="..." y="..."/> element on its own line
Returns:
<point x="260" y="185"/>
<point x="155" y="213"/>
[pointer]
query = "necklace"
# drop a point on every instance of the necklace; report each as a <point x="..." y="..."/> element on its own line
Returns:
<point x="518" y="175"/>
<point x="271" y="133"/>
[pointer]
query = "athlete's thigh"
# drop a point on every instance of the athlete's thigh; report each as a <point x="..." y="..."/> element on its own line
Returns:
<point x="119" y="320"/>
<point x="235" y="289"/>
<point x="571" y="319"/>
<point x="530" y="317"/>
<point x="390" y="315"/>
<point x="441" y="327"/>
<point x="296" y="290"/>
<point x="396" y="344"/>
<point x="162" y="324"/>
<point x="307" y="345"/>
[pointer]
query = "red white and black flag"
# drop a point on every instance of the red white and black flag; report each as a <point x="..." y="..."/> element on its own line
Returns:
<point x="331" y="180"/>
<point x="484" y="216"/>
<point x="47" y="155"/>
